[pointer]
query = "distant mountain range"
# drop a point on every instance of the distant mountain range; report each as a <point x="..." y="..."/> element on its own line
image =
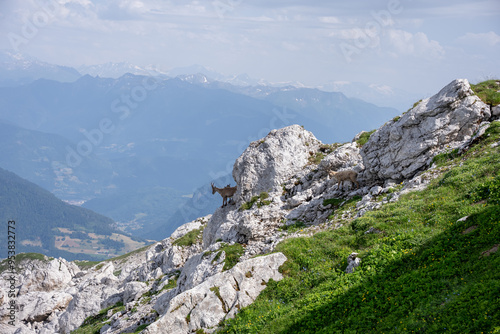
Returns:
<point x="18" y="69"/>
<point x="47" y="225"/>
<point x="136" y="148"/>
<point x="116" y="70"/>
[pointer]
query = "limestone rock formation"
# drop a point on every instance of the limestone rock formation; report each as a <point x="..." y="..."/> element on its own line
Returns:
<point x="218" y="297"/>
<point x="402" y="147"/>
<point x="267" y="163"/>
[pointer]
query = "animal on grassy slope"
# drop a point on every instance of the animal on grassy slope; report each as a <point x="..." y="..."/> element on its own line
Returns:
<point x="226" y="192"/>
<point x="344" y="175"/>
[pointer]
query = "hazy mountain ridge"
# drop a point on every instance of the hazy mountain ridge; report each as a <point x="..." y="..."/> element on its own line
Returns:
<point x="18" y="69"/>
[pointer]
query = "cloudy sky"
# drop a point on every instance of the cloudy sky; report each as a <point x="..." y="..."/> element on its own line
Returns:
<point x="414" y="45"/>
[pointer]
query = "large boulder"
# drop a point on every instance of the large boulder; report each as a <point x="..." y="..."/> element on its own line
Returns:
<point x="402" y="147"/>
<point x="269" y="162"/>
<point x="47" y="276"/>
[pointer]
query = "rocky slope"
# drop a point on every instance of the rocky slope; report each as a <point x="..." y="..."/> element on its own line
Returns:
<point x="210" y="268"/>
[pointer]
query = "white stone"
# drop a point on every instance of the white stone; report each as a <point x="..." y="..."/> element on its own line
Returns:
<point x="444" y="121"/>
<point x="133" y="291"/>
<point x="352" y="262"/>
<point x="269" y="162"/>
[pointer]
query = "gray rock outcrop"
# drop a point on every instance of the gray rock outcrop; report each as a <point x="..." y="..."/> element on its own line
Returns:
<point x="402" y="147"/>
<point x="269" y="162"/>
<point x="219" y="297"/>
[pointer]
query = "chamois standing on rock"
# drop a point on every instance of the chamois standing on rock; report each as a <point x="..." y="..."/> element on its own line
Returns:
<point x="226" y="192"/>
<point x="344" y="175"/>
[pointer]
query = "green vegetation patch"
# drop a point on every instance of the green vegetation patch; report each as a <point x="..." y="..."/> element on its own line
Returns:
<point x="341" y="205"/>
<point x="190" y="238"/>
<point x="335" y="202"/>
<point x="141" y="328"/>
<point x="124" y="257"/>
<point x="363" y="138"/>
<point x="94" y="323"/>
<point x="429" y="272"/>
<point x="488" y="91"/>
<point x="84" y="265"/>
<point x="298" y="225"/>
<point x="329" y="148"/>
<point x="232" y="252"/>
<point x="442" y="158"/>
<point x="260" y="201"/>
<point x="315" y="158"/>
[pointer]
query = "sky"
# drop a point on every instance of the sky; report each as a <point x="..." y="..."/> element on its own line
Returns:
<point x="417" y="46"/>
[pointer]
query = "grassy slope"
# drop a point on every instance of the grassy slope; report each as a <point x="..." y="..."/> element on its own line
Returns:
<point x="423" y="274"/>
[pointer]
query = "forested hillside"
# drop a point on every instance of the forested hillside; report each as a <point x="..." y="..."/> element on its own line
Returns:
<point x="47" y="225"/>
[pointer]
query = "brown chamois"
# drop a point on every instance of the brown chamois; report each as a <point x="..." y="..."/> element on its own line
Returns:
<point x="226" y="192"/>
<point x="344" y="175"/>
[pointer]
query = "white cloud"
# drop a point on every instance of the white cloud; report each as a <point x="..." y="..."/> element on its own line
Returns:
<point x="404" y="43"/>
<point x="329" y="19"/>
<point x="488" y="38"/>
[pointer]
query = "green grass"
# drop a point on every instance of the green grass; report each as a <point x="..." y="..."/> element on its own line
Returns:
<point x="190" y="238"/>
<point x="94" y="323"/>
<point x="488" y="91"/>
<point x="233" y="254"/>
<point x="260" y="200"/>
<point x="441" y="159"/>
<point x="423" y="274"/>
<point x="363" y="138"/>
<point x="84" y="265"/>
<point x="298" y="225"/>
